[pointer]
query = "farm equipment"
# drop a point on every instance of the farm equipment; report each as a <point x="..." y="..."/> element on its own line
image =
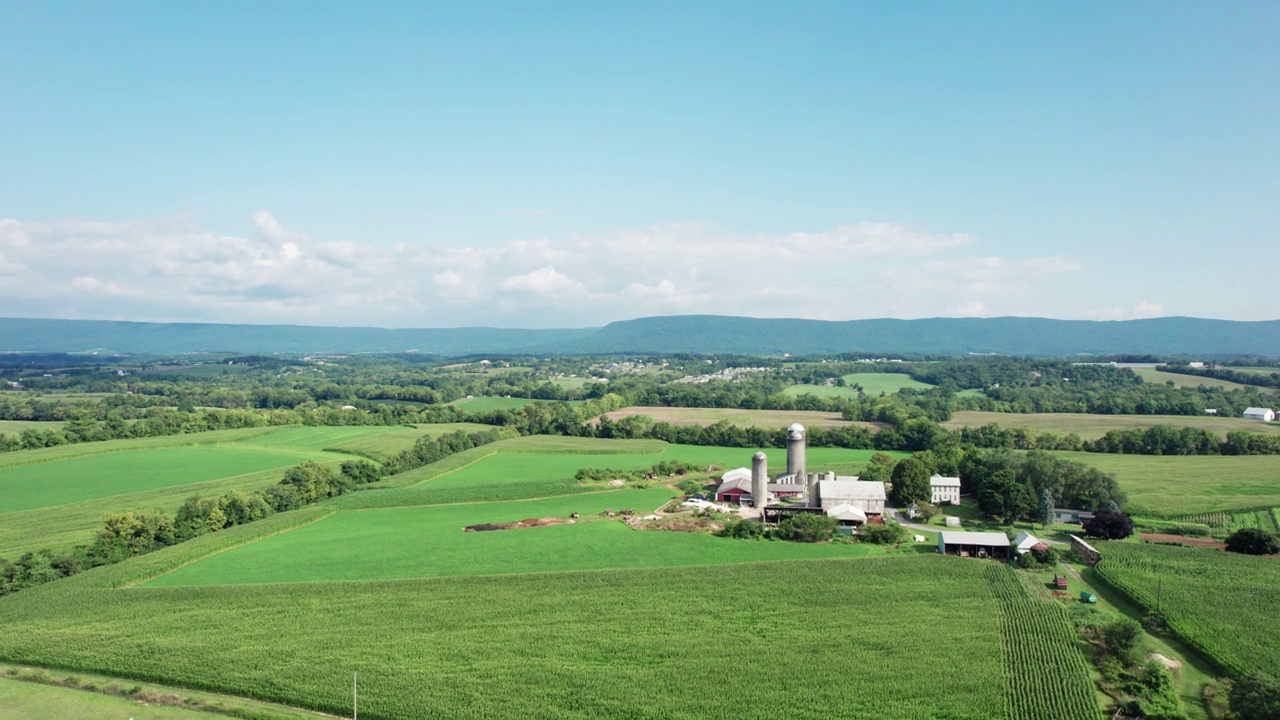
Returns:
<point x="1060" y="582"/>
<point x="1088" y="597"/>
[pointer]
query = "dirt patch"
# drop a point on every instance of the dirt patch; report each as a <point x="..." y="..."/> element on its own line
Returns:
<point x="1173" y="665"/>
<point x="528" y="523"/>
<point x="1182" y="540"/>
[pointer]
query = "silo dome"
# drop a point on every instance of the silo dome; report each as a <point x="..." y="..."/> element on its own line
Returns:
<point x="796" y="430"/>
<point x="760" y="456"/>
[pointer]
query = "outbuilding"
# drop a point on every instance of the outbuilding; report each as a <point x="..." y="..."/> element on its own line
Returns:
<point x="846" y="514"/>
<point x="1263" y="414"/>
<point x="1025" y="541"/>
<point x="1067" y="515"/>
<point x="945" y="489"/>
<point x="974" y="544"/>
<point x="865" y="495"/>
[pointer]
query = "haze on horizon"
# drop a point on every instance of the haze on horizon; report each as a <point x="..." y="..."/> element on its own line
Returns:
<point x="404" y="166"/>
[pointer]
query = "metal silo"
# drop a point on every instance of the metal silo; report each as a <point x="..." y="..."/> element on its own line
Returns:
<point x="760" y="479"/>
<point x="795" y="453"/>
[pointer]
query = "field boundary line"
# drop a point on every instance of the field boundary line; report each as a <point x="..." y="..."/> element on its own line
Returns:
<point x="488" y="502"/>
<point x="219" y="551"/>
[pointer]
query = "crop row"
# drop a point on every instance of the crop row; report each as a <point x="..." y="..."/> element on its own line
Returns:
<point x="822" y="636"/>
<point x="1048" y="675"/>
<point x="1223" y="604"/>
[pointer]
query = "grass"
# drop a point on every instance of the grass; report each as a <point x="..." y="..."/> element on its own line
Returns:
<point x="1174" y="486"/>
<point x="743" y="418"/>
<point x="614" y="643"/>
<point x="1161" y="377"/>
<point x="36" y="694"/>
<point x="63" y="452"/>
<point x="1223" y="604"/>
<point x="16" y="427"/>
<point x="429" y="542"/>
<point x="1091" y="427"/>
<point x="485" y="404"/>
<point x="90" y="478"/>
<point x="873" y="384"/>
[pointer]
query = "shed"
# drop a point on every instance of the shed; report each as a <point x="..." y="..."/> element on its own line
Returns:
<point x="1026" y="541"/>
<point x="1263" y="414"/>
<point x="974" y="544"/>
<point x="847" y="514"/>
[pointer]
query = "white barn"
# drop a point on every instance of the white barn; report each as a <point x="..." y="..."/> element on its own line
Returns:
<point x="1263" y="414"/>
<point x="945" y="489"/>
<point x="862" y="494"/>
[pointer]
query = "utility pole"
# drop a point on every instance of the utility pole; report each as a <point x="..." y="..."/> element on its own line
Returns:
<point x="355" y="696"/>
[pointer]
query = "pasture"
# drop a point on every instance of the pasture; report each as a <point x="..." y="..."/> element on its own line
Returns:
<point x="414" y="542"/>
<point x="1211" y="599"/>
<point x="55" y="497"/>
<point x="1153" y="375"/>
<point x="1173" y="486"/>
<point x="741" y="418"/>
<point x="872" y="384"/>
<point x="486" y="404"/>
<point x="604" y="643"/>
<point x="1091" y="427"/>
<point x="16" y="427"/>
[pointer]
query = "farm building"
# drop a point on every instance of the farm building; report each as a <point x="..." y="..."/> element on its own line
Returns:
<point x="847" y="514"/>
<point x="945" y="489"/>
<point x="974" y="544"/>
<point x="736" y="474"/>
<point x="866" y="496"/>
<point x="1025" y="541"/>
<point x="738" y="491"/>
<point x="1263" y="414"/>
<point x="1067" y="515"/>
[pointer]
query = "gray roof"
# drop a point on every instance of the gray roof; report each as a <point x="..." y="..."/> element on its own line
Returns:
<point x="739" y="484"/>
<point x="940" y="481"/>
<point x="988" y="539"/>
<point x="786" y="487"/>
<point x="1256" y="411"/>
<point x="850" y="490"/>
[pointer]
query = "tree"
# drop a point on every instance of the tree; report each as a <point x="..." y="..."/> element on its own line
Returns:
<point x="890" y="533"/>
<point x="1045" y="514"/>
<point x="1255" y="697"/>
<point x="1109" y="524"/>
<point x="1003" y="496"/>
<point x="807" y="527"/>
<point x="910" y="482"/>
<point x="880" y="469"/>
<point x="1253" y="541"/>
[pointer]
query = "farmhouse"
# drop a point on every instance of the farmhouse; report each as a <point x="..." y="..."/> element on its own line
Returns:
<point x="973" y="544"/>
<point x="866" y="496"/>
<point x="1067" y="515"/>
<point x="1263" y="414"/>
<point x="945" y="489"/>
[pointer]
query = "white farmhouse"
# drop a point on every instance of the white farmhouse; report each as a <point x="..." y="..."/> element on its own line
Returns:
<point x="1263" y="414"/>
<point x="945" y="489"/>
<point x="862" y="494"/>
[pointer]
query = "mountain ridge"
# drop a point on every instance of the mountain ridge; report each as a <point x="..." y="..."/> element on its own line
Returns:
<point x="700" y="334"/>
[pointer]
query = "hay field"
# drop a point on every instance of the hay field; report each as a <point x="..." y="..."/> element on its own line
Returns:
<point x="872" y="384"/>
<point x="1153" y="375"/>
<point x="15" y="427"/>
<point x="1091" y="427"/>
<point x="742" y="418"/>
<point x="1173" y="486"/>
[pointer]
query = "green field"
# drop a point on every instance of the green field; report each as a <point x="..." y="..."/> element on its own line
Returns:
<point x="872" y="384"/>
<point x="1152" y="375"/>
<point x="736" y="416"/>
<point x="485" y="404"/>
<point x="16" y="427"/>
<point x="1173" y="486"/>
<point x="1091" y="427"/>
<point x="1211" y="599"/>
<point x="614" y="643"/>
<point x="30" y="701"/>
<point x="55" y="497"/>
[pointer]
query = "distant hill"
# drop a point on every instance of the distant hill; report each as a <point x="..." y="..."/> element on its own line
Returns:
<point x="707" y="334"/>
<point x="31" y="335"/>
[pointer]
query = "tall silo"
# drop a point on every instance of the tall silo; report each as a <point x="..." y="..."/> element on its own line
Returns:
<point x="760" y="479"/>
<point x="795" y="453"/>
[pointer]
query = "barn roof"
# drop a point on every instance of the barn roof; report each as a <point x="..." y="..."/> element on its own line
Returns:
<point x="850" y="490"/>
<point x="987" y="539"/>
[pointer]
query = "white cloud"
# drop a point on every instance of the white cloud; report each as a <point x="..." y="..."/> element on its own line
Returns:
<point x="1140" y="311"/>
<point x="172" y="269"/>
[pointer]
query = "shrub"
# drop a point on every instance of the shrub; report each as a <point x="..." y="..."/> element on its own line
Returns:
<point x="889" y="533"/>
<point x="807" y="527"/>
<point x="1253" y="541"/>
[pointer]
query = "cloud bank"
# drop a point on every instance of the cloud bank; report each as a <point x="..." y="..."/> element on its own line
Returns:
<point x="174" y="270"/>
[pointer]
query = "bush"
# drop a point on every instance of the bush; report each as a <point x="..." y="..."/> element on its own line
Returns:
<point x="1253" y="541"/>
<point x="744" y="530"/>
<point x="1109" y="524"/>
<point x="890" y="533"/>
<point x="807" y="527"/>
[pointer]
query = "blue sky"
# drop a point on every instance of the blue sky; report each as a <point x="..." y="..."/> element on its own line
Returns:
<point x="567" y="164"/>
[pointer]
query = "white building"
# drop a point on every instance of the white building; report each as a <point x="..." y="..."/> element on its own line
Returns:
<point x="736" y="474"/>
<point x="866" y="496"/>
<point x="1026" y="541"/>
<point x="945" y="489"/>
<point x="847" y="514"/>
<point x="1263" y="414"/>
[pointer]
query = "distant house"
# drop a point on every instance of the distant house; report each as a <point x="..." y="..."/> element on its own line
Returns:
<point x="945" y="489"/>
<point x="1025" y="542"/>
<point x="867" y="496"/>
<point x="1075" y="517"/>
<point x="1263" y="414"/>
<point x="1211" y="411"/>
<point x="974" y="544"/>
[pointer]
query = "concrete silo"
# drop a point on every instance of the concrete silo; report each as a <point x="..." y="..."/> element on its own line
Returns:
<point x="795" y="453"/>
<point x="760" y="479"/>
